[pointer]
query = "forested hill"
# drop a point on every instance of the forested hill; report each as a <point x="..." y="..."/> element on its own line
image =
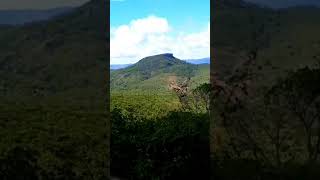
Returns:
<point x="267" y="60"/>
<point x="282" y="39"/>
<point x="53" y="97"/>
<point x="156" y="72"/>
<point x="65" y="55"/>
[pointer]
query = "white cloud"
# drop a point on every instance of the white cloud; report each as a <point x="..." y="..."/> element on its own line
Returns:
<point x="153" y="35"/>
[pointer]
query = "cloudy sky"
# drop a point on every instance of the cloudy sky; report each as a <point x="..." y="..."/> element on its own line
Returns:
<point x="141" y="28"/>
<point x="38" y="4"/>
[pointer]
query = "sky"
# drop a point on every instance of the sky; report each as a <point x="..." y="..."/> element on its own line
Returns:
<point x="38" y="4"/>
<point x="285" y="3"/>
<point x="141" y="28"/>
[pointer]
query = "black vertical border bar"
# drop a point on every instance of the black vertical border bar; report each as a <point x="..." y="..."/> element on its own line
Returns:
<point x="212" y="60"/>
<point x="107" y="85"/>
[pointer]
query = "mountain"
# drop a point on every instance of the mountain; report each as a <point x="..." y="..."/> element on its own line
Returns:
<point x="286" y="38"/>
<point x="53" y="94"/>
<point x="19" y="17"/>
<point x="191" y="61"/>
<point x="63" y="56"/>
<point x="156" y="72"/>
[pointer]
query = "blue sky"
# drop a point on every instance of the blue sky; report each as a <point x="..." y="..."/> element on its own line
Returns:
<point x="180" y="13"/>
<point x="146" y="27"/>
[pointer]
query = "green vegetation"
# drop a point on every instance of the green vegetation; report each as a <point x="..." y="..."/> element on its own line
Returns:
<point x="53" y="118"/>
<point x="153" y="135"/>
<point x="41" y="142"/>
<point x="154" y="73"/>
<point x="265" y="109"/>
<point x="275" y="132"/>
<point x="171" y="147"/>
<point x="144" y="104"/>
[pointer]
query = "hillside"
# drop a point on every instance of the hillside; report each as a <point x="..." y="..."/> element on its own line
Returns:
<point x="151" y="128"/>
<point x="65" y="55"/>
<point x="283" y="37"/>
<point x="53" y="97"/>
<point x="262" y="51"/>
<point x="156" y="72"/>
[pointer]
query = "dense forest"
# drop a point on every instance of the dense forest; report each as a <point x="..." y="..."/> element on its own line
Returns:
<point x="53" y="111"/>
<point x="160" y="120"/>
<point x="265" y="120"/>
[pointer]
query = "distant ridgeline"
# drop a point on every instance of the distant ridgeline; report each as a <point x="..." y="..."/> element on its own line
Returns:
<point x="20" y="17"/>
<point x="168" y="55"/>
<point x="279" y="49"/>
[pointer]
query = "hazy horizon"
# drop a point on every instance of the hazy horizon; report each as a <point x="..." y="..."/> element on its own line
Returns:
<point x="39" y="4"/>
<point x="285" y="3"/>
<point x="159" y="54"/>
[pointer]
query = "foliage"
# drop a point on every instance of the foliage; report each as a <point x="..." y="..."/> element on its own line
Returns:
<point x="154" y="73"/>
<point x="155" y="138"/>
<point x="43" y="142"/>
<point x="53" y="121"/>
<point x="266" y="126"/>
<point x="168" y="147"/>
<point x="144" y="104"/>
<point x="275" y="130"/>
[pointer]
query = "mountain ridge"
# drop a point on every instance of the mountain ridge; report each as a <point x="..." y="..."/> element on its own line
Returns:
<point x="191" y="61"/>
<point x="154" y="72"/>
<point x="61" y="55"/>
<point x="280" y="48"/>
<point x="20" y="17"/>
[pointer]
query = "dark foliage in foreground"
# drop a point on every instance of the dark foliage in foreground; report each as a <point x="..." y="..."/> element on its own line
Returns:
<point x="41" y="142"/>
<point x="172" y="147"/>
<point x="271" y="135"/>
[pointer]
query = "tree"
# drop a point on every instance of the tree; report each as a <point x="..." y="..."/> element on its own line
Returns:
<point x="181" y="91"/>
<point x="301" y="93"/>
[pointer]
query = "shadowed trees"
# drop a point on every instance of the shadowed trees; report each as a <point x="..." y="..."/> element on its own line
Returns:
<point x="270" y="131"/>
